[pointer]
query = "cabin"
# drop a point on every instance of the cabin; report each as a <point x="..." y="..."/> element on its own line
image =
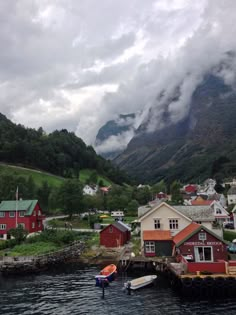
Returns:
<point x="115" y="235"/>
<point x="202" y="248"/>
<point x="26" y="213"/>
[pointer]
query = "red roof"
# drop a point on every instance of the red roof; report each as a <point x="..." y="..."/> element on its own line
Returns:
<point x="201" y="202"/>
<point x="157" y="235"/>
<point x="185" y="232"/>
<point x="190" y="188"/>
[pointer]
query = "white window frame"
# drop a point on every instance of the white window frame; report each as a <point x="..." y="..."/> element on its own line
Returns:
<point x="2" y="214"/>
<point x="33" y="225"/>
<point x="174" y="224"/>
<point x="150" y="247"/>
<point x="198" y="258"/>
<point x="39" y="224"/>
<point x="39" y="212"/>
<point x="10" y="214"/>
<point x="157" y="224"/>
<point x="34" y="213"/>
<point x="21" y="213"/>
<point x="3" y="226"/>
<point x="202" y="236"/>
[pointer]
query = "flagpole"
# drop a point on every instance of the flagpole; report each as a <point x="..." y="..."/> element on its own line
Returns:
<point x="16" y="204"/>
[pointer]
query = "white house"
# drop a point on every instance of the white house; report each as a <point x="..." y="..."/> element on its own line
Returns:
<point x="231" y="195"/>
<point x="88" y="190"/>
<point x="165" y="218"/>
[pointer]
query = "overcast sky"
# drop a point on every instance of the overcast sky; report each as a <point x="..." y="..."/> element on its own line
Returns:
<point x="76" y="64"/>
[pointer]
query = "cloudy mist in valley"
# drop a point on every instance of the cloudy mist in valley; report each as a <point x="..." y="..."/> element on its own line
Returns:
<point x="78" y="64"/>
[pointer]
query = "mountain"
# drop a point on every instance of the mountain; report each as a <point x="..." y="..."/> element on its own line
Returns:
<point x="111" y="130"/>
<point x="60" y="152"/>
<point x="201" y="145"/>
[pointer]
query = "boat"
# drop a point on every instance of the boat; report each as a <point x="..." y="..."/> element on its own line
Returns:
<point x="106" y="275"/>
<point x="140" y="282"/>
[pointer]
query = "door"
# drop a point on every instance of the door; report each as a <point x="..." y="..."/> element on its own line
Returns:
<point x="203" y="253"/>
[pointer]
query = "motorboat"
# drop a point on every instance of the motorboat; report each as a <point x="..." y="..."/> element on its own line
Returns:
<point x="140" y="282"/>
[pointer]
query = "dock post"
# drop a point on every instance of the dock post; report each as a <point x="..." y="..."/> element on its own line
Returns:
<point x="129" y="288"/>
<point x="103" y="289"/>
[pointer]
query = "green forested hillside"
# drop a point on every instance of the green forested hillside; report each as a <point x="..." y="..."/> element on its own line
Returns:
<point x="61" y="153"/>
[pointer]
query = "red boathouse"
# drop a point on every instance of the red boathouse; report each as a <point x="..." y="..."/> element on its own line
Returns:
<point x="26" y="213"/>
<point x="115" y="235"/>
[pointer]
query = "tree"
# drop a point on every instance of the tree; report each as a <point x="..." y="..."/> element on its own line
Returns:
<point x="176" y="196"/>
<point x="71" y="196"/>
<point x="133" y="207"/>
<point x="19" y="234"/>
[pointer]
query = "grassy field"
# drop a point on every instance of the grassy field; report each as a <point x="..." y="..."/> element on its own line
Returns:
<point x="85" y="174"/>
<point x="229" y="235"/>
<point x="33" y="249"/>
<point x="39" y="176"/>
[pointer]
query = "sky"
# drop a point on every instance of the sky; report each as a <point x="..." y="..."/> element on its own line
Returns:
<point x="74" y="65"/>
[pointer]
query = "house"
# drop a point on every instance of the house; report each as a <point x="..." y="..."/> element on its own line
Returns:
<point x="157" y="243"/>
<point x="201" y="244"/>
<point x="202" y="215"/>
<point x="115" y="235"/>
<point x="163" y="217"/>
<point x="89" y="190"/>
<point x="231" y="195"/>
<point x="26" y="213"/>
<point x="190" y="189"/>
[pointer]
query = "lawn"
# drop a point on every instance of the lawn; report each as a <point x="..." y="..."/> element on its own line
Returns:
<point x="85" y="174"/>
<point x="38" y="176"/>
<point x="33" y="249"/>
<point x="229" y="235"/>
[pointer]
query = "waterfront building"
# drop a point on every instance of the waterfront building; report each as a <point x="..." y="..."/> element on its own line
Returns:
<point x="115" y="235"/>
<point x="26" y="213"/>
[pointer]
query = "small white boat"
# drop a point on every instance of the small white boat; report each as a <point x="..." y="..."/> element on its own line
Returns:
<point x="140" y="282"/>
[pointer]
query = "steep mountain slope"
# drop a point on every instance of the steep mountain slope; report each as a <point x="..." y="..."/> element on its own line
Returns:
<point x="113" y="128"/>
<point x="200" y="145"/>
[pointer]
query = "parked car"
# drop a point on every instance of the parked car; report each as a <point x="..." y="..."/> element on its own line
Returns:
<point x="231" y="248"/>
<point x="229" y="226"/>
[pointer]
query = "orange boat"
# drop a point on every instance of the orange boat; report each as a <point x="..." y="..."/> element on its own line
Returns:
<point x="106" y="275"/>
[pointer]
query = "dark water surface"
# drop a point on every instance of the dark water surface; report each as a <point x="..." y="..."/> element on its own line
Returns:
<point x="72" y="291"/>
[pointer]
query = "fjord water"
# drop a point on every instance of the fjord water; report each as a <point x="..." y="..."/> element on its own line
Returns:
<point x="71" y="290"/>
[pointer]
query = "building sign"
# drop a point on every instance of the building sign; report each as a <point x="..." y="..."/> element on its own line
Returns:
<point x="202" y="243"/>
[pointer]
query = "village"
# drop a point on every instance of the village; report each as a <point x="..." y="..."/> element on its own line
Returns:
<point x="189" y="241"/>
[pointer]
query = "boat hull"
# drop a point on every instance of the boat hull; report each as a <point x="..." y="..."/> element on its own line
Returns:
<point x="107" y="275"/>
<point x="140" y="282"/>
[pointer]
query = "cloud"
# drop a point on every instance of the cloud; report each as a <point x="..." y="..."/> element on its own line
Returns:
<point x="77" y="64"/>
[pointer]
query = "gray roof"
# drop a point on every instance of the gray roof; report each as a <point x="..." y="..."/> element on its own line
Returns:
<point x="120" y="227"/>
<point x="197" y="213"/>
<point x="232" y="190"/>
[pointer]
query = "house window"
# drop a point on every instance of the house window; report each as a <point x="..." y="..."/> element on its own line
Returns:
<point x="202" y="236"/>
<point x="39" y="212"/>
<point x="21" y="214"/>
<point x="2" y="214"/>
<point x="12" y="214"/>
<point x="39" y="224"/>
<point x="34" y="214"/>
<point x="218" y="211"/>
<point x="150" y="247"/>
<point x="3" y="226"/>
<point x="33" y="225"/>
<point x="157" y="224"/>
<point x="110" y="229"/>
<point x="199" y="222"/>
<point x="174" y="224"/>
<point x="1" y="236"/>
<point x="21" y="224"/>
<point x="203" y="254"/>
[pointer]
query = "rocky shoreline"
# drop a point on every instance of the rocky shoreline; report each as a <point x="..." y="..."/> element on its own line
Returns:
<point x="35" y="264"/>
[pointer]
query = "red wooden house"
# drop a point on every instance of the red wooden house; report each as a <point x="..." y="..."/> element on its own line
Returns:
<point x="26" y="213"/>
<point x="206" y="249"/>
<point x="114" y="235"/>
